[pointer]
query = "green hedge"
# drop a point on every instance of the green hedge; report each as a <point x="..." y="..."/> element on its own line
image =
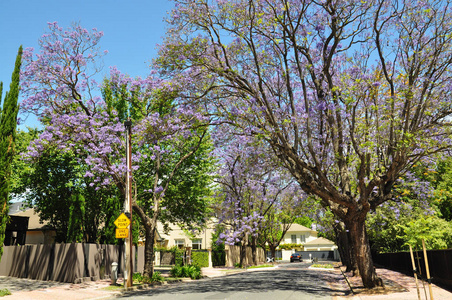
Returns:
<point x="200" y="258"/>
<point x="289" y="246"/>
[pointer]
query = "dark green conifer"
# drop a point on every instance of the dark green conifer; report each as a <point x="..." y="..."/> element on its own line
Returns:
<point x="8" y="123"/>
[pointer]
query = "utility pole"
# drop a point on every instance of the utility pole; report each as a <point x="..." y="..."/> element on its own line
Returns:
<point x="128" y="203"/>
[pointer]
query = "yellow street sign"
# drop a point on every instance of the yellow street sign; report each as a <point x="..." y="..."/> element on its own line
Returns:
<point x="122" y="221"/>
<point x="122" y="233"/>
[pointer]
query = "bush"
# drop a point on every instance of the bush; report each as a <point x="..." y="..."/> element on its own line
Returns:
<point x="4" y="292"/>
<point x="156" y="277"/>
<point x="137" y="277"/>
<point x="200" y="258"/>
<point x="194" y="272"/>
<point x="289" y="246"/>
<point x="176" y="271"/>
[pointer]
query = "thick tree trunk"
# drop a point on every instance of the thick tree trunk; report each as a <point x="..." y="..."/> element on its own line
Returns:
<point x="254" y="250"/>
<point x="273" y="252"/>
<point x="242" y="253"/>
<point x="362" y="254"/>
<point x="149" y="254"/>
<point x="345" y="247"/>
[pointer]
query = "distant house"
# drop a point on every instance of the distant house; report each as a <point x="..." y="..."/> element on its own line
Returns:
<point x="299" y="234"/>
<point x="320" y="244"/>
<point x="182" y="239"/>
<point x="306" y="240"/>
<point x="35" y="232"/>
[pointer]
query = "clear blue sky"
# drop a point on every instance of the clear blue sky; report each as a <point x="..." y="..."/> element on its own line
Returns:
<point x="132" y="29"/>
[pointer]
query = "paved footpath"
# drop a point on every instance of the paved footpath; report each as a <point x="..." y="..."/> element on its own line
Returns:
<point x="407" y="283"/>
<point x="26" y="289"/>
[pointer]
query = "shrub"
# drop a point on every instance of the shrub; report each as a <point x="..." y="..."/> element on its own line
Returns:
<point x="289" y="246"/>
<point x="176" y="271"/>
<point x="238" y="265"/>
<point x="156" y="277"/>
<point x="4" y="292"/>
<point x="194" y="272"/>
<point x="200" y="258"/>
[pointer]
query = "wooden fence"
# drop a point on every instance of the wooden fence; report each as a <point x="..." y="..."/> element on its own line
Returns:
<point x="233" y="255"/>
<point x="71" y="262"/>
<point x="440" y="264"/>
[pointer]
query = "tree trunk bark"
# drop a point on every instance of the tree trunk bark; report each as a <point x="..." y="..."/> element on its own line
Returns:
<point x="345" y="248"/>
<point x="149" y="254"/>
<point x="273" y="251"/>
<point x="362" y="254"/>
<point x="242" y="253"/>
<point x="254" y="250"/>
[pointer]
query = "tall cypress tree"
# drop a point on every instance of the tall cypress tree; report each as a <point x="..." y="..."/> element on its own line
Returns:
<point x="8" y="123"/>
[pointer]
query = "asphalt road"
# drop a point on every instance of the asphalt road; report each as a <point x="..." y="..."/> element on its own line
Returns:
<point x="288" y="282"/>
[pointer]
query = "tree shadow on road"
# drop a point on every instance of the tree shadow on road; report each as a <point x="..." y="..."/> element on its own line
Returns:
<point x="306" y="281"/>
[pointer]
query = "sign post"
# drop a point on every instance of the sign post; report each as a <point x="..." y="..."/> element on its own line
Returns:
<point x="128" y="202"/>
<point x="122" y="222"/>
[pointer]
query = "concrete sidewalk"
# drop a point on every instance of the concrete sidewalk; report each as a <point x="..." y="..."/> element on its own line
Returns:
<point x="27" y="289"/>
<point x="407" y="289"/>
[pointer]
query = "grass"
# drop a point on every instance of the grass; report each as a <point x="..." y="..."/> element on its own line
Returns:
<point x="260" y="266"/>
<point x="325" y="266"/>
<point x="4" y="292"/>
<point x="114" y="287"/>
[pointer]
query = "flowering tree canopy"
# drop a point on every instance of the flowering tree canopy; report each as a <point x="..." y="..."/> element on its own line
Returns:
<point x="253" y="190"/>
<point x="349" y="94"/>
<point x="86" y="118"/>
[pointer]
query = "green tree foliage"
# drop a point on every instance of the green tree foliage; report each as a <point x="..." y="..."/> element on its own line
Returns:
<point x="56" y="187"/>
<point x="184" y="171"/>
<point x="8" y="123"/>
<point x="436" y="232"/>
<point x="441" y="179"/>
<point x="419" y="211"/>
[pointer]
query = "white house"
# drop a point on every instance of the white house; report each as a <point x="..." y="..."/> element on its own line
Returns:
<point x="319" y="244"/>
<point x="299" y="234"/>
<point x="181" y="238"/>
<point x="306" y="239"/>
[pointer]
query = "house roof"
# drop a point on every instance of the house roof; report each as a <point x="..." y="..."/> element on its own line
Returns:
<point x="33" y="219"/>
<point x="298" y="227"/>
<point x="320" y="241"/>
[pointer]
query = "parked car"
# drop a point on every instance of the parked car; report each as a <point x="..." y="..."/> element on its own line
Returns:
<point x="295" y="256"/>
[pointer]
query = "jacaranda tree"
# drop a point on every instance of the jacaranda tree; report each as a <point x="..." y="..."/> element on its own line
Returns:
<point x="59" y="87"/>
<point x="253" y="189"/>
<point x="349" y="94"/>
<point x="8" y="123"/>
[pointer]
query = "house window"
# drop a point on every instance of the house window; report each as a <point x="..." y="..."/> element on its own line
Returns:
<point x="179" y="243"/>
<point x="196" y="244"/>
<point x="303" y="238"/>
<point x="294" y="238"/>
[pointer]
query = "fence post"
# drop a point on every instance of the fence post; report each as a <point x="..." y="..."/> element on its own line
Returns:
<point x="415" y="273"/>
<point x="157" y="258"/>
<point x="210" y="258"/>
<point x="427" y="271"/>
